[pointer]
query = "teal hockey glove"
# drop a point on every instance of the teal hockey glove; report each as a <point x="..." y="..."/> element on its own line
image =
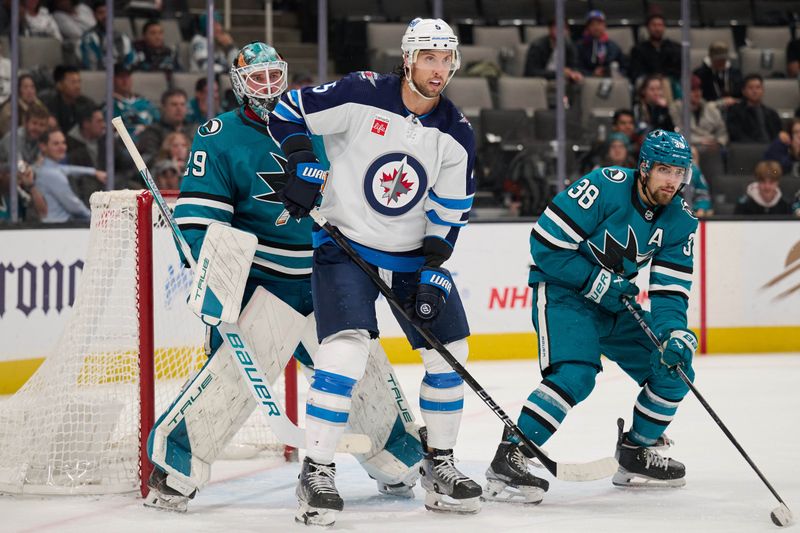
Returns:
<point x="678" y="349"/>
<point x="607" y="289"/>
<point x="433" y="288"/>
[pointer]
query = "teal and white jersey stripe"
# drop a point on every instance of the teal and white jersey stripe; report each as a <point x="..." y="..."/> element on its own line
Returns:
<point x="233" y="176"/>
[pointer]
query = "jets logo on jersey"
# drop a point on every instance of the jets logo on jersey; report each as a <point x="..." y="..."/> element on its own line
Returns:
<point x="614" y="174"/>
<point x="618" y="258"/>
<point x="368" y="75"/>
<point x="212" y="127"/>
<point x="275" y="181"/>
<point x="395" y="183"/>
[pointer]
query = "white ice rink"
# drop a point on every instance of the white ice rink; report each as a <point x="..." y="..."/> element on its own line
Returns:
<point x="758" y="397"/>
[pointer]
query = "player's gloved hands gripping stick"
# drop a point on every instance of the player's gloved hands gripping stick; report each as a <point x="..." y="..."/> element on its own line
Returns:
<point x="433" y="288"/>
<point x="607" y="289"/>
<point x="306" y="177"/>
<point x="678" y="349"/>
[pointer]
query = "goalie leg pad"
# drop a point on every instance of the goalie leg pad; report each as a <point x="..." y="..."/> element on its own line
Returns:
<point x="219" y="280"/>
<point x="381" y="411"/>
<point x="214" y="404"/>
<point x="441" y="396"/>
<point x="339" y="364"/>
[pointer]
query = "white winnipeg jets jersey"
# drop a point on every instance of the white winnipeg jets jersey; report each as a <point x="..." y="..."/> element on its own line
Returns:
<point x="395" y="178"/>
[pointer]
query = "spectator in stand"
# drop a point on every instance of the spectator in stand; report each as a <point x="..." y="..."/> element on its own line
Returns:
<point x="708" y="128"/>
<point x="721" y="82"/>
<point x="793" y="59"/>
<point x="151" y="52"/>
<point x="66" y="101"/>
<point x="764" y="196"/>
<point x="137" y="112"/>
<point x="656" y="55"/>
<point x="199" y="104"/>
<point x="74" y="19"/>
<point x="86" y="148"/>
<point x="597" y="54"/>
<point x="225" y="49"/>
<point x="27" y="98"/>
<point x="750" y="121"/>
<point x="541" y="58"/>
<point x="173" y="118"/>
<point x="63" y="205"/>
<point x="36" y="21"/>
<point x="617" y="154"/>
<point x="34" y="123"/>
<point x="785" y="149"/>
<point x="93" y="43"/>
<point x="696" y="193"/>
<point x="651" y="112"/>
<point x="175" y="148"/>
<point x="31" y="203"/>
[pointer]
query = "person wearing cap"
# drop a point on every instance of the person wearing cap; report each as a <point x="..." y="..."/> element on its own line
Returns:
<point x="596" y="52"/>
<point x="656" y="55"/>
<point x="719" y="79"/>
<point x="708" y="129"/>
<point x="617" y="151"/>
<point x="136" y="111"/>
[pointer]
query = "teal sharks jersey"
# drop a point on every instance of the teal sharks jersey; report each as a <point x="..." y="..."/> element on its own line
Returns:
<point x="600" y="220"/>
<point x="232" y="177"/>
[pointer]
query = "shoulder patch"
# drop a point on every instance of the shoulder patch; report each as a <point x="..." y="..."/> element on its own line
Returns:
<point x="614" y="174"/>
<point x="212" y="127"/>
<point x="687" y="209"/>
<point x="368" y="75"/>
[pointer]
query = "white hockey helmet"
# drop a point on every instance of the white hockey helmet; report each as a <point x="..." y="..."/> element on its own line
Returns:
<point x="429" y="34"/>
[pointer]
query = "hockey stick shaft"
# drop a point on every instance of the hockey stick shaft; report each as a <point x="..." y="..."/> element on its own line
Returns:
<point x="685" y="378"/>
<point x="263" y="393"/>
<point x="598" y="470"/>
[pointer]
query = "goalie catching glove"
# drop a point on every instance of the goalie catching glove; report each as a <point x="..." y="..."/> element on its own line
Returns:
<point x="678" y="349"/>
<point x="607" y="290"/>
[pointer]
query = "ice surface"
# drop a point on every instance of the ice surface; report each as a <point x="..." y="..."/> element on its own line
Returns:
<point x="757" y="396"/>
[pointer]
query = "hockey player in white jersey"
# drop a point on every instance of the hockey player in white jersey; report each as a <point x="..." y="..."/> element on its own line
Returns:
<point x="400" y="188"/>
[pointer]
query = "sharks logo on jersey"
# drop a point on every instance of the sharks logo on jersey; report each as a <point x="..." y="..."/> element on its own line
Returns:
<point x="614" y="174"/>
<point x="614" y="255"/>
<point x="212" y="127"/>
<point x="275" y="181"/>
<point x="395" y="183"/>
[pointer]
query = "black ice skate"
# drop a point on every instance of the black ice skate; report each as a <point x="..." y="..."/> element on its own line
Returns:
<point x="318" y="499"/>
<point x="162" y="496"/>
<point x="446" y="489"/>
<point x="508" y="478"/>
<point x="641" y="466"/>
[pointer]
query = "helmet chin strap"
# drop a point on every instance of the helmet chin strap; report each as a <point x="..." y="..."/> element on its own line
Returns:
<point x="414" y="87"/>
<point x="648" y="198"/>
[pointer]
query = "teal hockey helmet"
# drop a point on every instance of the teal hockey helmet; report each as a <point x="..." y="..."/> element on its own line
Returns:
<point x="259" y="77"/>
<point x="668" y="148"/>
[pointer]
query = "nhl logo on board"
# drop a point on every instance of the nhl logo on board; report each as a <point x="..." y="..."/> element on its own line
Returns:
<point x="394" y="183"/>
<point x="379" y="126"/>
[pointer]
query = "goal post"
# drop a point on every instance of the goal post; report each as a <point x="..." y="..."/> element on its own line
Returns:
<point x="81" y="422"/>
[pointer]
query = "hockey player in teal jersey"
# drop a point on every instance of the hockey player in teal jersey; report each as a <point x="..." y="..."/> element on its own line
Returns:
<point x="233" y="175"/>
<point x="587" y="248"/>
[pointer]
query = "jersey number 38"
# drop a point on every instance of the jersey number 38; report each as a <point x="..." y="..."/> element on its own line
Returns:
<point x="585" y="192"/>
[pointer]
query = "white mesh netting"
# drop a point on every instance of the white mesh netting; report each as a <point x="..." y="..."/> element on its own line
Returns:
<point x="74" y="426"/>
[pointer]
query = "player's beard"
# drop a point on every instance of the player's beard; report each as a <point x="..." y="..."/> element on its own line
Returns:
<point x="421" y="83"/>
<point x="661" y="196"/>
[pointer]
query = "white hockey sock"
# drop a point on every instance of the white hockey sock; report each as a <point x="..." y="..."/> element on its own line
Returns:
<point x="441" y="396"/>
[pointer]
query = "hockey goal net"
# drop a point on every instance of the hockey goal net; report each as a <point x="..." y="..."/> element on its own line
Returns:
<point x="80" y="423"/>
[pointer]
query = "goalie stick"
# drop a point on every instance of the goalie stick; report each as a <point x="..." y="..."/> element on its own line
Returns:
<point x="263" y="393"/>
<point x="599" y="469"/>
<point x="781" y="515"/>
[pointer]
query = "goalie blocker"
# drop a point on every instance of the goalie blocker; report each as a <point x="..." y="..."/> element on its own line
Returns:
<point x="194" y="431"/>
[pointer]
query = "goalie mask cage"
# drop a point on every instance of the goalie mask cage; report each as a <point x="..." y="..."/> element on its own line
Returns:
<point x="80" y="423"/>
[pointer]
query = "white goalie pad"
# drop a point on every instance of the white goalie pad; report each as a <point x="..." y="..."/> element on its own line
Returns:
<point x="221" y="275"/>
<point x="216" y="402"/>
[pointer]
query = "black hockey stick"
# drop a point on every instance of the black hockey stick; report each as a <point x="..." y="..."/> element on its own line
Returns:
<point x="602" y="468"/>
<point x="781" y="515"/>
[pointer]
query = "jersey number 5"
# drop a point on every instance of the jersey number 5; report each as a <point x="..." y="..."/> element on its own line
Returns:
<point x="197" y="164"/>
<point x="585" y="192"/>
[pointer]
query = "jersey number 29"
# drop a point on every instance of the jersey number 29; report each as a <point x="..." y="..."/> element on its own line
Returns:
<point x="585" y="192"/>
<point x="197" y="164"/>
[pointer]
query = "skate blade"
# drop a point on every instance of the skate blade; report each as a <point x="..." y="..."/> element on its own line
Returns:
<point x="498" y="491"/>
<point x="441" y="503"/>
<point x="311" y="516"/>
<point x="404" y="492"/>
<point x="626" y="479"/>
<point x="163" y="502"/>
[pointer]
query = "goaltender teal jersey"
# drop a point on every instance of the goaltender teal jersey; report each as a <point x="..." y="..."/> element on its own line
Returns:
<point x="600" y="220"/>
<point x="233" y="176"/>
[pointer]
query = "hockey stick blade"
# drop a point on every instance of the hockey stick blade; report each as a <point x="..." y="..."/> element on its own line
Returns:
<point x="283" y="428"/>
<point x="600" y="469"/>
<point x="781" y="515"/>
